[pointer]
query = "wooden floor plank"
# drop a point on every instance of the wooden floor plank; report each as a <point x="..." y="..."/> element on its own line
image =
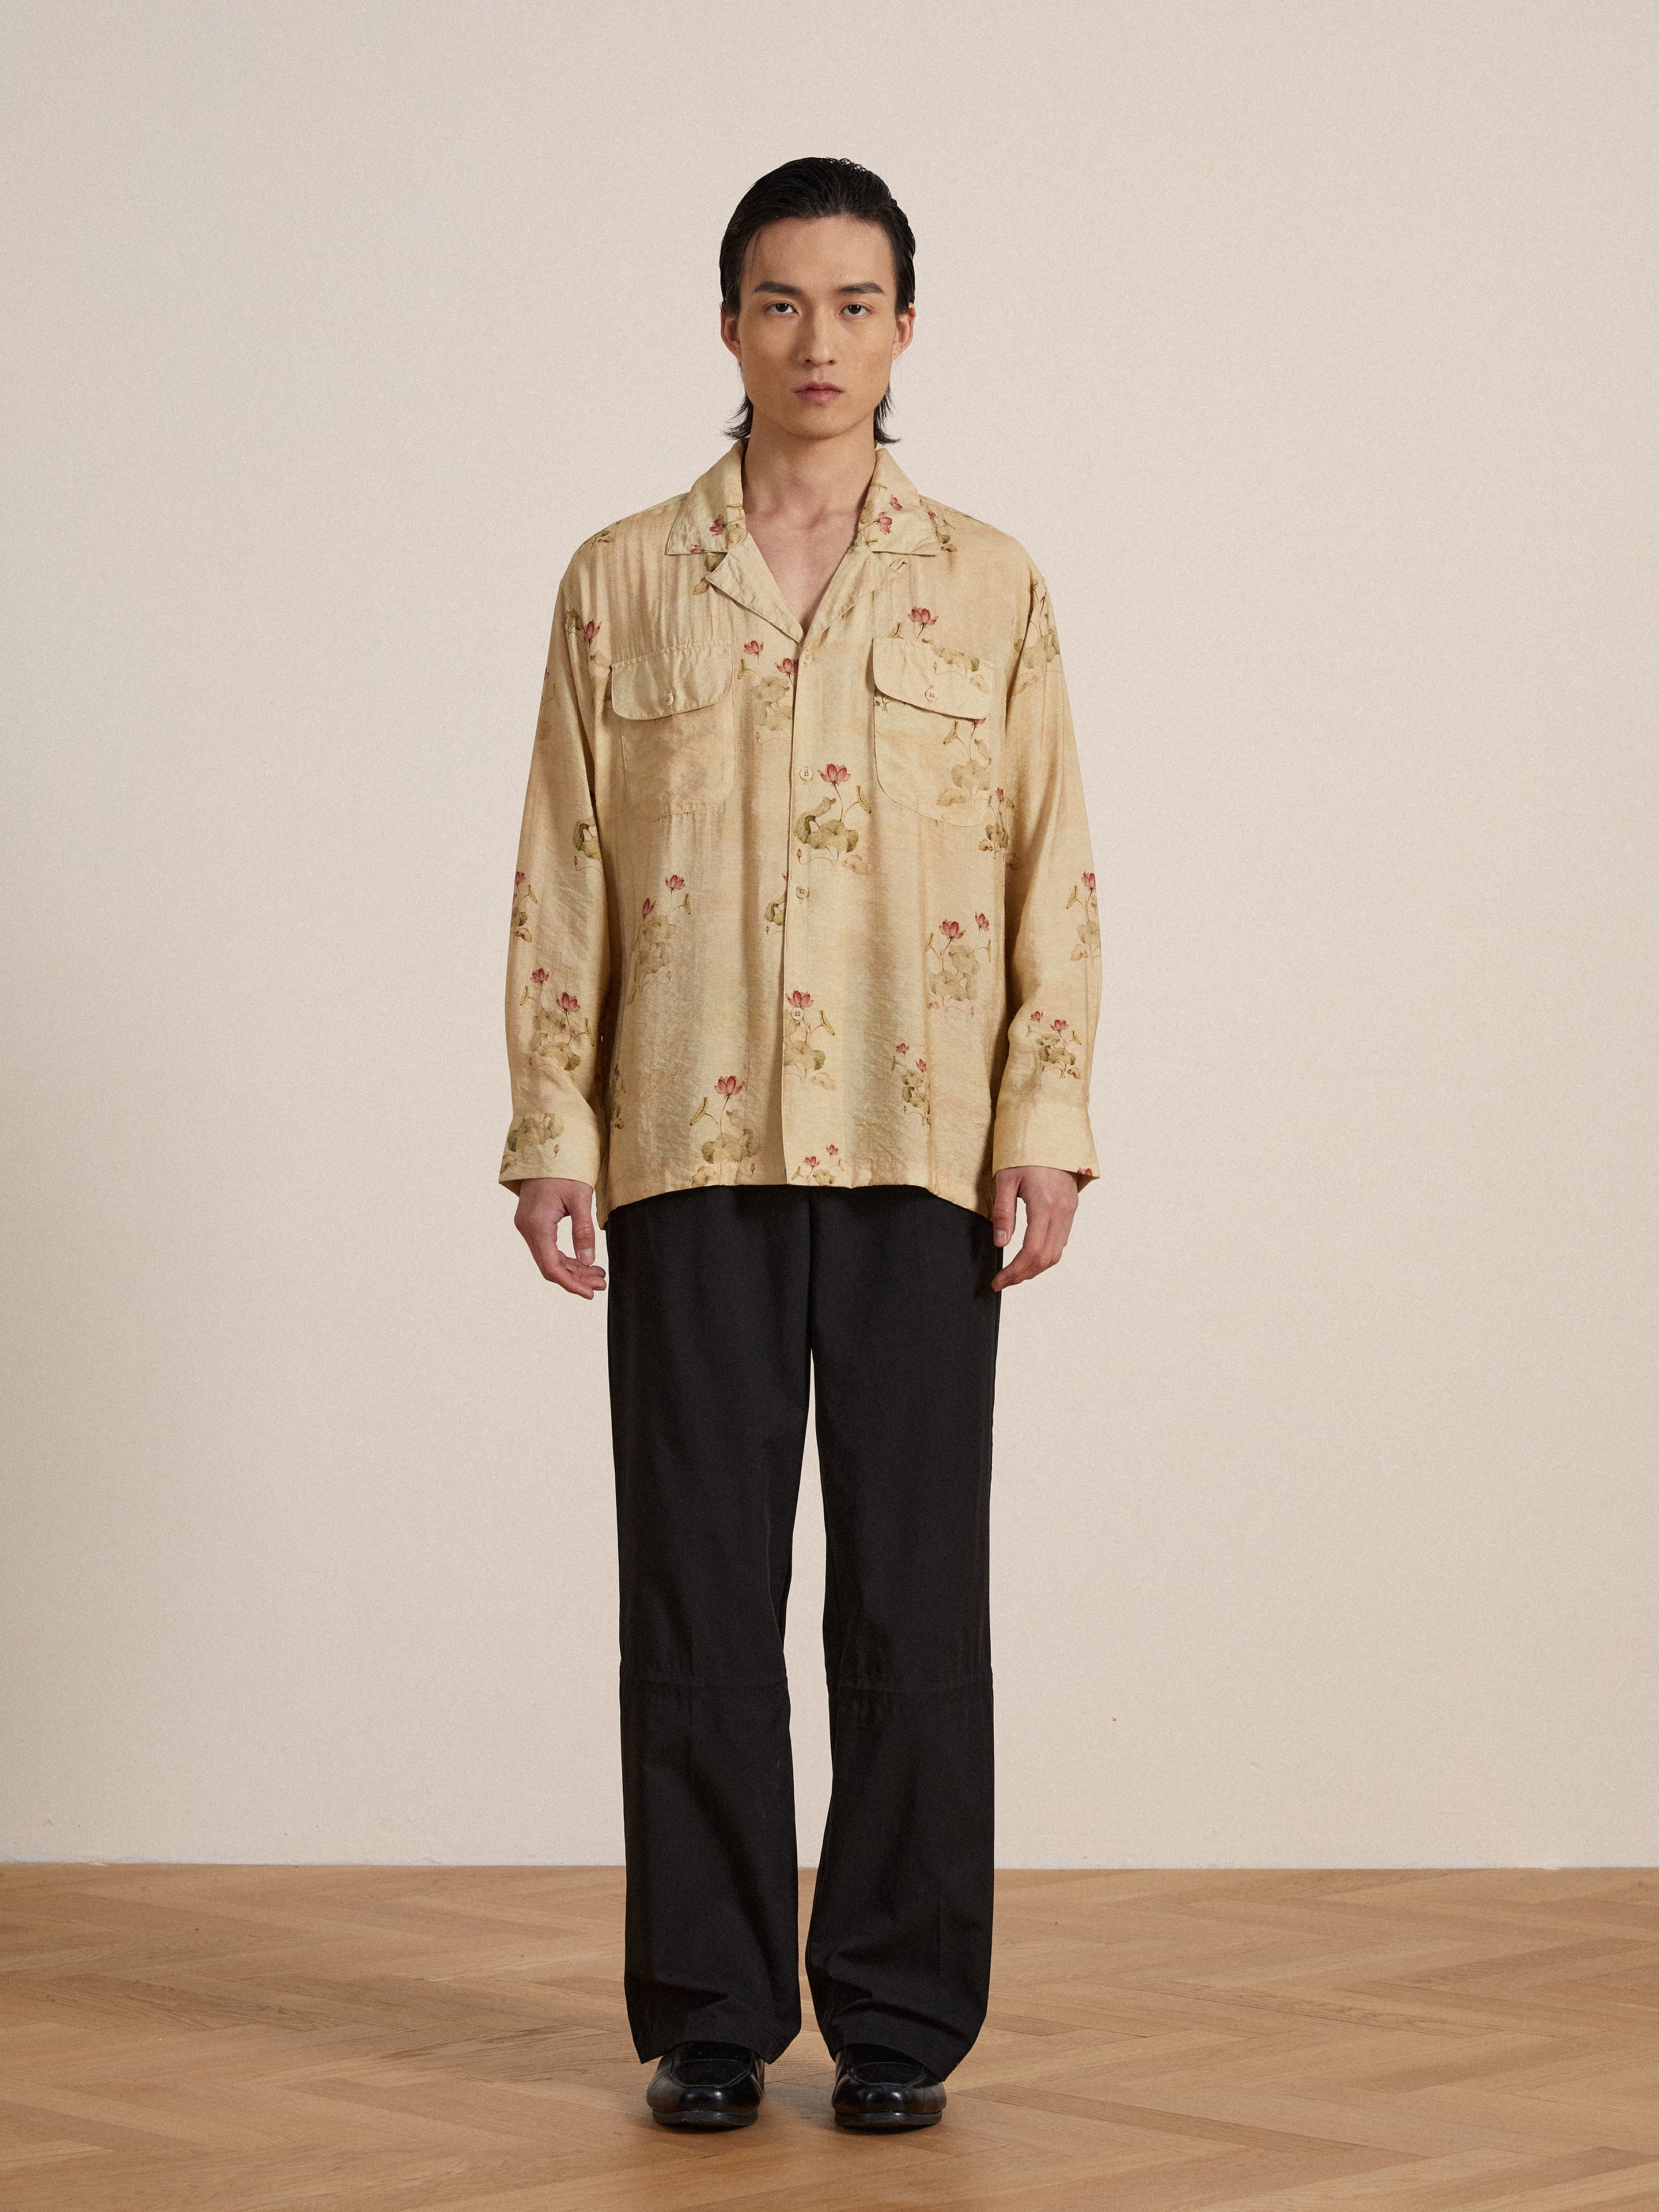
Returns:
<point x="453" y="2039"/>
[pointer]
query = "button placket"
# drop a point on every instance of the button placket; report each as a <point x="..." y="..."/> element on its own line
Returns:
<point x="797" y="868"/>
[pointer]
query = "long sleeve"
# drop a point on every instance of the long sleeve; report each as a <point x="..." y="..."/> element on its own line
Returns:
<point x="559" y="952"/>
<point x="1052" y="932"/>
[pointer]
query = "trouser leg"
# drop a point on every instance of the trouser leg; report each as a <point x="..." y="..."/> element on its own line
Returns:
<point x="903" y="1342"/>
<point x="708" y="1351"/>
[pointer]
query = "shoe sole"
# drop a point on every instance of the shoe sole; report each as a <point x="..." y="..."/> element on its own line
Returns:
<point x="705" y="2120"/>
<point x="885" y="2123"/>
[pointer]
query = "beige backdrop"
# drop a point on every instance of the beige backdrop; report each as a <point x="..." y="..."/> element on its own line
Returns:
<point x="1310" y="351"/>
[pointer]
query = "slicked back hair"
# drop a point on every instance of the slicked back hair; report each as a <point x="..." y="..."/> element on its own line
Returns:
<point x="816" y="185"/>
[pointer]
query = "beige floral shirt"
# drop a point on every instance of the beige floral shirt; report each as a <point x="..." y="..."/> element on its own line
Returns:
<point x="806" y="908"/>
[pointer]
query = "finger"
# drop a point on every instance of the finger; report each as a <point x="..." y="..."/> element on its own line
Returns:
<point x="581" y="1276"/>
<point x="1037" y="1252"/>
<point x="582" y="1229"/>
<point x="571" y="1275"/>
<point x="1002" y="1211"/>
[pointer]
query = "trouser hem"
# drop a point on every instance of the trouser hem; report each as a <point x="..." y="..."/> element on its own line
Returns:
<point x="938" y="2052"/>
<point x="715" y="2024"/>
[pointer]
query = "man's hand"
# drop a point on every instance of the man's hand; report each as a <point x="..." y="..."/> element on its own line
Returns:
<point x="1051" y="1196"/>
<point x="543" y="1203"/>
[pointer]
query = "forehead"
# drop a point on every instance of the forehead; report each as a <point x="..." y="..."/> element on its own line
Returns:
<point x="820" y="254"/>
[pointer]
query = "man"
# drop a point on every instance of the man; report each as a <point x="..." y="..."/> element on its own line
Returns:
<point x="802" y="992"/>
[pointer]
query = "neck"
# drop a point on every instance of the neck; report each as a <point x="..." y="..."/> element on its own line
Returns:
<point x="806" y="480"/>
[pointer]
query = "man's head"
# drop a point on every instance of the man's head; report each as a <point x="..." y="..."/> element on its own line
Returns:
<point x="817" y="297"/>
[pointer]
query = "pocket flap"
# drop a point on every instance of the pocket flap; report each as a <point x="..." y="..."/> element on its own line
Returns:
<point x="909" y="668"/>
<point x="672" y="681"/>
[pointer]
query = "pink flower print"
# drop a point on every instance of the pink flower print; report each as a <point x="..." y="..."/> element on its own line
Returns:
<point x="1088" y="878"/>
<point x="832" y="1150"/>
<point x="999" y="791"/>
<point x="753" y="646"/>
<point x="885" y="521"/>
<point x="982" y="920"/>
<point x="590" y="630"/>
<point x="901" y="1047"/>
<point x="920" y="1067"/>
<point x="952" y="929"/>
<point x="812" y="1159"/>
<point x="799" y="998"/>
<point x="896" y="504"/>
<point x="729" y="1087"/>
<point x="518" y="877"/>
<point x="646" y="909"/>
<point x="1036" y="1013"/>
<point x="538" y="975"/>
<point x="786" y="667"/>
<point x="923" y="615"/>
<point x="832" y="772"/>
<point x="675" y="883"/>
<point x="717" y="527"/>
<point x="1058" y="1022"/>
<point x="569" y="1004"/>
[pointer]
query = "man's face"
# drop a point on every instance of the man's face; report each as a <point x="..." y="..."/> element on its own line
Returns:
<point x="815" y="333"/>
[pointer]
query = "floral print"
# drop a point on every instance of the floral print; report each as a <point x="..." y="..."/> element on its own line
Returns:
<point x="653" y="944"/>
<point x="559" y="1032"/>
<point x="730" y="1154"/>
<point x="912" y="1074"/>
<point x="530" y="1136"/>
<point x="1087" y="946"/>
<point x="950" y="962"/>
<point x="772" y="692"/>
<point x="524" y="898"/>
<point x="804" y="1024"/>
<point x="827" y="826"/>
<point x="1056" y="1054"/>
<point x="817" y="976"/>
<point x="999" y="824"/>
<point x="586" y="635"/>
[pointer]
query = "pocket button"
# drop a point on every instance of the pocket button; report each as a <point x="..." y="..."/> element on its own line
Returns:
<point x="932" y="694"/>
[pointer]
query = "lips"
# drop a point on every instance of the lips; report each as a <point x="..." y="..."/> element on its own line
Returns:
<point x="817" y="391"/>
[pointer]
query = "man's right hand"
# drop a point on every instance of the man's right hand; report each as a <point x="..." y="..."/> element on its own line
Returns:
<point x="543" y="1203"/>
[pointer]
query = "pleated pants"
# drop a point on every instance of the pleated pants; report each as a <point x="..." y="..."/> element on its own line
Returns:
<point x="724" y="1305"/>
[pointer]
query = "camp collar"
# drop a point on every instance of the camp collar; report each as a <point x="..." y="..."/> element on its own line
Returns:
<point x="709" y="518"/>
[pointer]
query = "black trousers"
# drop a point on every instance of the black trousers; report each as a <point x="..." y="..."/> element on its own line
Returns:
<point x="718" y="1300"/>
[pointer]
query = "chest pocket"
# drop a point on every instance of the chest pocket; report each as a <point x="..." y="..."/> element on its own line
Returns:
<point x="678" y="720"/>
<point x="936" y="732"/>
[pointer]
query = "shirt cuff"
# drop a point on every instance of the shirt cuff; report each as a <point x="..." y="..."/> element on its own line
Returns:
<point x="1034" y="1131"/>
<point x="552" y="1144"/>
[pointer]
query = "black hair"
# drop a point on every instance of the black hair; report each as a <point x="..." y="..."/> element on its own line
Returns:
<point x="817" y="185"/>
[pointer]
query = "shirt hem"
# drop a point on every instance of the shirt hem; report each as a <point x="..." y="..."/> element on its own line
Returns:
<point x="625" y="1191"/>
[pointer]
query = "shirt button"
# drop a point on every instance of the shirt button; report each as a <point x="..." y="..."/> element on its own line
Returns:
<point x="671" y="698"/>
<point x="932" y="694"/>
<point x="806" y="775"/>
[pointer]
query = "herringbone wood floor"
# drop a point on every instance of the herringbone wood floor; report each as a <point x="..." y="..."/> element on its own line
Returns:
<point x="226" y="2038"/>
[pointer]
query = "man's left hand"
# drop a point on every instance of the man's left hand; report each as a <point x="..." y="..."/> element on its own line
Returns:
<point x="1050" y="1198"/>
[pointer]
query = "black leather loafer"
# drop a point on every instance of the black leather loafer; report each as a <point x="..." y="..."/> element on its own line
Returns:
<point x="708" y="2085"/>
<point x="875" y="2087"/>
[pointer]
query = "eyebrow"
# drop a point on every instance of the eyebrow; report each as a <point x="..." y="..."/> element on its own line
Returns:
<point x="795" y="292"/>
